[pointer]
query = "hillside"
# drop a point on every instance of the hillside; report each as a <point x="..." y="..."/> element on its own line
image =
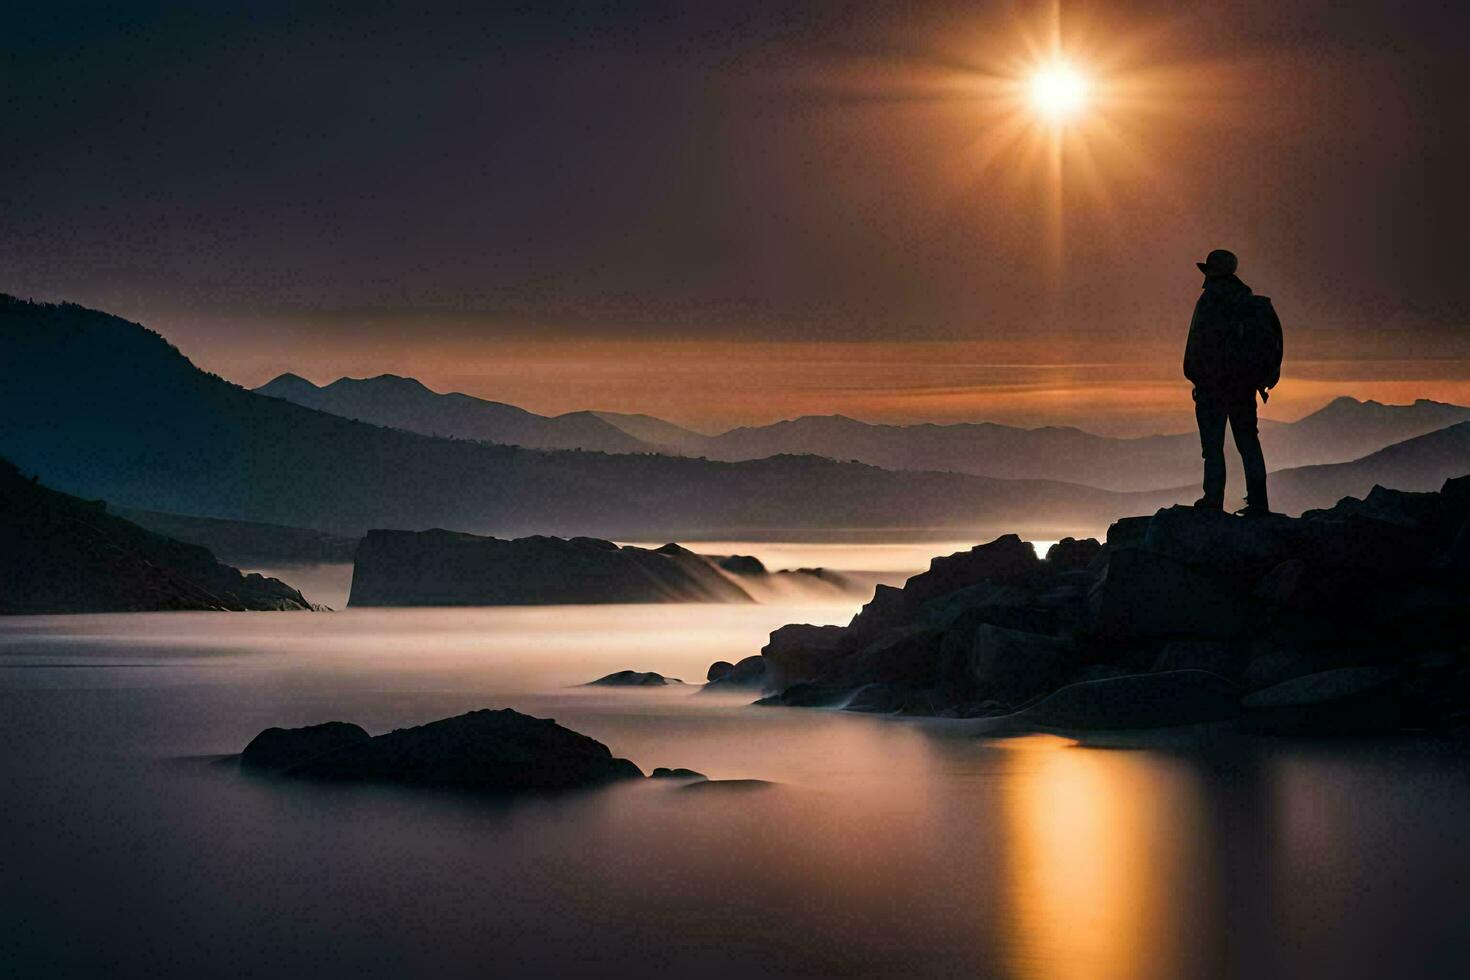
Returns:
<point x="106" y="408"/>
<point x="1344" y="430"/>
<point x="1420" y="464"/>
<point x="246" y="542"/>
<point x="61" y="554"/>
<point x="101" y="407"/>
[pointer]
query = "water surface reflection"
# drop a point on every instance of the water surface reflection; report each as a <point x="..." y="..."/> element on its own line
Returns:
<point x="887" y="848"/>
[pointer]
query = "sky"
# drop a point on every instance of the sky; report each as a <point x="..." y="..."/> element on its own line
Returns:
<point x="734" y="213"/>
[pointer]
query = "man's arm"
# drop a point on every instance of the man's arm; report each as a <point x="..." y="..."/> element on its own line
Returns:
<point x="1193" y="355"/>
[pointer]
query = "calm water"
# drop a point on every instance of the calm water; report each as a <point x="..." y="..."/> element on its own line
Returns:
<point x="885" y="849"/>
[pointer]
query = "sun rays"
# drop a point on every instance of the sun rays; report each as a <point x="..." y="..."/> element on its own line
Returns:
<point x="1058" y="115"/>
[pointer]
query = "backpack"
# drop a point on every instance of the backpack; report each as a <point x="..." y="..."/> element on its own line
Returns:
<point x="1258" y="346"/>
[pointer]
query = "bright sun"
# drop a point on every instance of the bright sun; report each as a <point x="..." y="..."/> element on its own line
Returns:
<point x="1058" y="92"/>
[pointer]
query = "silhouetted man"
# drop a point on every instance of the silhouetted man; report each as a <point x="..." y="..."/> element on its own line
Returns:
<point x="1228" y="357"/>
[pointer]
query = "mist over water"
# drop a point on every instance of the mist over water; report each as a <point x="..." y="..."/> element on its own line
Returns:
<point x="887" y="847"/>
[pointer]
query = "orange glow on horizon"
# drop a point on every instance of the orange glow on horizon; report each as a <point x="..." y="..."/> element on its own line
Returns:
<point x="714" y="385"/>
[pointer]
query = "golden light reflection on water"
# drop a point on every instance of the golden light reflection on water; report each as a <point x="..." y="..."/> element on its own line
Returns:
<point x="1098" y="868"/>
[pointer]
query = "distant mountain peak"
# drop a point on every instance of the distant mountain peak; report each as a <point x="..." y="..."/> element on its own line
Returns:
<point x="286" y="382"/>
<point x="395" y="382"/>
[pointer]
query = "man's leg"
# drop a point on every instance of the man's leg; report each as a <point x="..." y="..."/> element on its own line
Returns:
<point x="1210" y="414"/>
<point x="1248" y="442"/>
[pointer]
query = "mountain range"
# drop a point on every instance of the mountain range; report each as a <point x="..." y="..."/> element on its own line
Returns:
<point x="1344" y="430"/>
<point x="104" y="408"/>
<point x="404" y="403"/>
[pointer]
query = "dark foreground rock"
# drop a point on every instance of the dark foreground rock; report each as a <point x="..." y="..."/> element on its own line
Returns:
<point x="634" y="678"/>
<point x="1350" y="619"/>
<point x="483" y="751"/>
<point x="449" y="568"/>
<point x="62" y="554"/>
<point x="1349" y="700"/>
<point x="1174" y="697"/>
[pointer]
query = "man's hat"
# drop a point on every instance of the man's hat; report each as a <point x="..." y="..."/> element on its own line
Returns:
<point x="1220" y="262"/>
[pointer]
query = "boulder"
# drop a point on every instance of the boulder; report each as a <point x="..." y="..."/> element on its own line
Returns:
<point x="742" y="565"/>
<point x="748" y="673"/>
<point x="807" y="694"/>
<point x="878" y="699"/>
<point x="908" y="656"/>
<point x="1220" y="541"/>
<point x="662" y="772"/>
<point x="1006" y="561"/>
<point x="279" y="748"/>
<point x="1382" y="504"/>
<point x="1270" y="664"/>
<point x="1070" y="554"/>
<point x="1228" y="658"/>
<point x="1013" y="667"/>
<point x="484" y="751"/>
<point x="1452" y="517"/>
<point x="1348" y="700"/>
<point x="800" y="652"/>
<point x="943" y="612"/>
<point x="1176" y="697"/>
<point x="1127" y="532"/>
<point x="888" y="608"/>
<point x="633" y="678"/>
<point x="1291" y="585"/>
<point x="1144" y="594"/>
<point x="896" y="699"/>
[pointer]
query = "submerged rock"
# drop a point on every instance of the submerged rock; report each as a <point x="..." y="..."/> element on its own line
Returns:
<point x="633" y="678"/>
<point x="484" y="751"/>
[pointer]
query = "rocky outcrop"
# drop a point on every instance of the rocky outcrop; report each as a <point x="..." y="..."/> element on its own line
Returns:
<point x="62" y="554"/>
<point x="278" y="749"/>
<point x="634" y="678"/>
<point x="483" y="751"/>
<point x="449" y="568"/>
<point x="663" y="772"/>
<point x="1354" y="618"/>
<point x="748" y="673"/>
